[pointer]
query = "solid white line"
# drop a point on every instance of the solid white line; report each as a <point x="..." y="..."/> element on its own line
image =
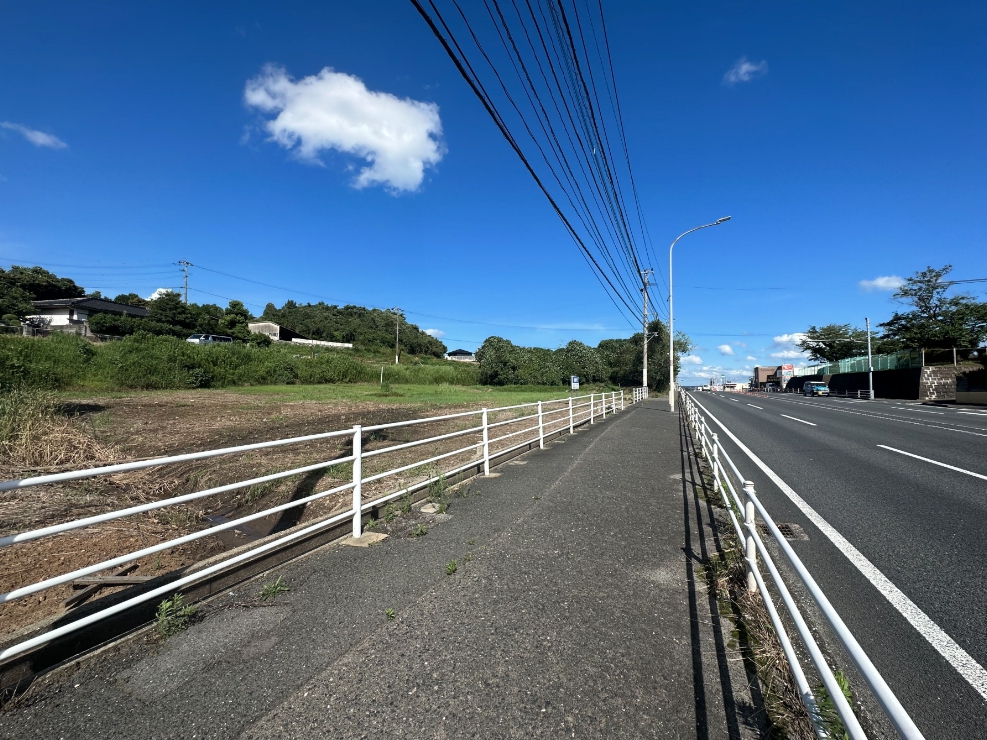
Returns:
<point x="945" y="645"/>
<point x="972" y="413"/>
<point x="801" y="420"/>
<point x="934" y="462"/>
<point x="755" y="407"/>
<point x="922" y="411"/>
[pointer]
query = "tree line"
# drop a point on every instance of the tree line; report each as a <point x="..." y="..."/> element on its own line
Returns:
<point x="614" y="361"/>
<point x="168" y="315"/>
<point x="935" y="321"/>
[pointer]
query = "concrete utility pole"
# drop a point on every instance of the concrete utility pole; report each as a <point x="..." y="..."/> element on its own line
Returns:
<point x="870" y="363"/>
<point x="646" y="274"/>
<point x="184" y="264"/>
<point x="397" y="333"/>
<point x="671" y="317"/>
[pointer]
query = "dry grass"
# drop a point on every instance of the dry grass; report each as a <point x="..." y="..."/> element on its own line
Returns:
<point x="34" y="435"/>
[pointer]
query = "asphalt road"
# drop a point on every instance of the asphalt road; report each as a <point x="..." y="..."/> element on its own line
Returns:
<point x="919" y="522"/>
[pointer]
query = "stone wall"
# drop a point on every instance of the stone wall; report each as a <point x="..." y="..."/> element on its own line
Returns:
<point x="938" y="384"/>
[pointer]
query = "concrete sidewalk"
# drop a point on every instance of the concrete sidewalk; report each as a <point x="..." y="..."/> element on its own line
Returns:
<point x="576" y="610"/>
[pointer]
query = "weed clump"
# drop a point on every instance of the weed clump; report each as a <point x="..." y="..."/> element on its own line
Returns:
<point x="174" y="616"/>
<point x="271" y="590"/>
<point x="451" y="567"/>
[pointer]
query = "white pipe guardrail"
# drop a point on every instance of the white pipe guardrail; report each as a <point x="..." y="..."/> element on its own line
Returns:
<point x="746" y="528"/>
<point x="566" y="414"/>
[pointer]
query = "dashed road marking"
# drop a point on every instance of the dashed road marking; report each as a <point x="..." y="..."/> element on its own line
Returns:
<point x="800" y="420"/>
<point x="934" y="462"/>
<point x="755" y="407"/>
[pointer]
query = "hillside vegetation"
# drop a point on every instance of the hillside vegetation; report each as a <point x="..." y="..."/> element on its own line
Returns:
<point x="147" y="362"/>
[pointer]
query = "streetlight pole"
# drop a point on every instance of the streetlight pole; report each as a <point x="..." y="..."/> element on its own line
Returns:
<point x="671" y="314"/>
<point x="870" y="363"/>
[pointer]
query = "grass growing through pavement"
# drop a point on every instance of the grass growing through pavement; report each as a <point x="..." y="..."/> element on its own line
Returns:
<point x="174" y="616"/>
<point x="272" y="590"/>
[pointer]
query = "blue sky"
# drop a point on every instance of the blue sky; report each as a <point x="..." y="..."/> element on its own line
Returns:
<point x="850" y="147"/>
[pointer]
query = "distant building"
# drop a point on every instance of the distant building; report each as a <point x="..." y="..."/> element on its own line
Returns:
<point x="279" y="333"/>
<point x="76" y="311"/>
<point x="461" y="355"/>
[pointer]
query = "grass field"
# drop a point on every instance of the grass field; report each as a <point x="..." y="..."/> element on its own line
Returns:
<point x="399" y="395"/>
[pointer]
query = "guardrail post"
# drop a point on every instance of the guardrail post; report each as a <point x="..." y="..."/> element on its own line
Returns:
<point x="716" y="462"/>
<point x="751" y="547"/>
<point x="486" y="445"/>
<point x="592" y="408"/>
<point x="570" y="414"/>
<point x="541" y="429"/>
<point x="357" y="481"/>
<point x="603" y="403"/>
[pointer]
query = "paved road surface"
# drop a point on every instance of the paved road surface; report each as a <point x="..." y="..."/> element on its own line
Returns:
<point x="920" y="523"/>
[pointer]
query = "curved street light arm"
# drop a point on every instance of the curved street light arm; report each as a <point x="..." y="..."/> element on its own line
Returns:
<point x="671" y="315"/>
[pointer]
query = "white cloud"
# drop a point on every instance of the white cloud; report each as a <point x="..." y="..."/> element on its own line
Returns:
<point x="725" y="349"/>
<point x="437" y="333"/>
<point x="883" y="282"/>
<point x="158" y="293"/>
<point x="752" y="358"/>
<point x="788" y="354"/>
<point x="691" y="360"/>
<point x="38" y="138"/>
<point x="789" y="338"/>
<point x="333" y="110"/>
<point x="744" y="71"/>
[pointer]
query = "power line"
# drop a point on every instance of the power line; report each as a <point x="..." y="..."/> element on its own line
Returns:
<point x="582" y="172"/>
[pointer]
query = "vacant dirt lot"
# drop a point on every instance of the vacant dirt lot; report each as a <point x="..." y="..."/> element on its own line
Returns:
<point x="148" y="425"/>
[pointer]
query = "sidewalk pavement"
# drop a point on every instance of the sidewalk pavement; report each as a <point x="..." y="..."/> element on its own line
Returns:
<point x="577" y="609"/>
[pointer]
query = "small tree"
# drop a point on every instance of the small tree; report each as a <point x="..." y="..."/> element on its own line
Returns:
<point x="833" y="342"/>
<point x="234" y="321"/>
<point x="936" y="319"/>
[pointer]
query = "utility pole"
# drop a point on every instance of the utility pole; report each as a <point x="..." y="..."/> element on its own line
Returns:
<point x="185" y="264"/>
<point x="397" y="333"/>
<point x="646" y="274"/>
<point x="870" y="363"/>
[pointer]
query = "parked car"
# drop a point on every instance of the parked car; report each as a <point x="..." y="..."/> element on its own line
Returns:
<point x="815" y="389"/>
<point x="209" y="339"/>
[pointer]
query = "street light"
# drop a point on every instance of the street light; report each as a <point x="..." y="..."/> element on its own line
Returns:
<point x="671" y="322"/>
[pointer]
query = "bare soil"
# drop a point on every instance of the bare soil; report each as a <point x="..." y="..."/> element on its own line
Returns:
<point x="150" y="425"/>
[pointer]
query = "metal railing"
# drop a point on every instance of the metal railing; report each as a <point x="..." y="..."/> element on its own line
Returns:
<point x="639" y="394"/>
<point x="743" y="508"/>
<point x="537" y="420"/>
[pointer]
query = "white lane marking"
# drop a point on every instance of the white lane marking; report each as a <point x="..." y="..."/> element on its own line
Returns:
<point x="734" y="399"/>
<point x="972" y="413"/>
<point x="753" y="406"/>
<point x="801" y="420"/>
<point x="891" y="417"/>
<point x="920" y="411"/>
<point x="945" y="645"/>
<point x="934" y="462"/>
